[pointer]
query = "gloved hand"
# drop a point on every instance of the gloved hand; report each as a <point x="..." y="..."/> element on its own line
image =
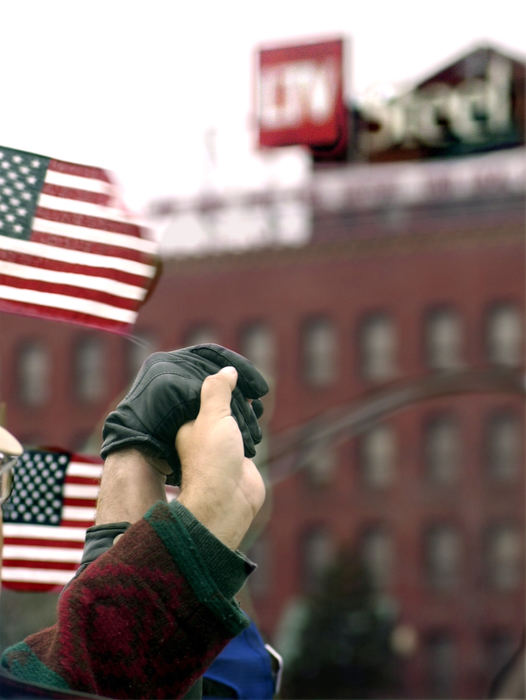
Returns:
<point x="166" y="394"/>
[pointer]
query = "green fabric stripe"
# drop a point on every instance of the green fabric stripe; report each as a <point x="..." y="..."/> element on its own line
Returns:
<point x="26" y="666"/>
<point x="186" y="554"/>
<point x="229" y="571"/>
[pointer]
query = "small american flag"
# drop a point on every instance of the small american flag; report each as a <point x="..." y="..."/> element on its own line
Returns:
<point x="45" y="520"/>
<point x="68" y="250"/>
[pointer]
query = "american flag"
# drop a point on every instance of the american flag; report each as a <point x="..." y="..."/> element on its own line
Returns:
<point x="45" y="519"/>
<point x="68" y="250"/>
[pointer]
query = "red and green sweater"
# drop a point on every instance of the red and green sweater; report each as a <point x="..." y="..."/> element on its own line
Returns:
<point x="146" y="618"/>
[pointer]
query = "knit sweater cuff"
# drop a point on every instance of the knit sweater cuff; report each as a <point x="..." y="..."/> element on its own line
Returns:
<point x="214" y="572"/>
<point x="229" y="569"/>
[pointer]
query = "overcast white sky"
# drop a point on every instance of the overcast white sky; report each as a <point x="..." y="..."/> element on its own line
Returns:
<point x="136" y="86"/>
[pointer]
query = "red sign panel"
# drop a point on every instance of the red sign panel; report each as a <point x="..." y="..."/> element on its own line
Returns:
<point x="300" y="94"/>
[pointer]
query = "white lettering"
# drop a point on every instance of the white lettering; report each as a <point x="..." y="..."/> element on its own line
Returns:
<point x="297" y="92"/>
<point x="439" y="114"/>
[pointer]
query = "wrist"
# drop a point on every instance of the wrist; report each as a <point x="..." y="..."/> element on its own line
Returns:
<point x="227" y="519"/>
<point x="130" y="484"/>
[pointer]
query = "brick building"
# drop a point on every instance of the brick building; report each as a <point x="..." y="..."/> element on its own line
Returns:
<point x="385" y="296"/>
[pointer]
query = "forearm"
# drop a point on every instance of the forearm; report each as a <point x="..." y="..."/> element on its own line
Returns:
<point x="132" y="482"/>
<point x="145" y="619"/>
<point x="130" y="485"/>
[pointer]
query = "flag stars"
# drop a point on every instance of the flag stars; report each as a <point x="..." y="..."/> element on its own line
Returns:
<point x="20" y="175"/>
<point x="34" y="499"/>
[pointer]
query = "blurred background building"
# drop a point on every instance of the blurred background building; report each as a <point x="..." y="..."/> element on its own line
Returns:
<point x="384" y="301"/>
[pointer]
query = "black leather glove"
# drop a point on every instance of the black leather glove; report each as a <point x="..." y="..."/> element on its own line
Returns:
<point x="99" y="538"/>
<point x="166" y="394"/>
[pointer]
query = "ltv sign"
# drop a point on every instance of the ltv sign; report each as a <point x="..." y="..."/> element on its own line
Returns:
<point x="299" y="94"/>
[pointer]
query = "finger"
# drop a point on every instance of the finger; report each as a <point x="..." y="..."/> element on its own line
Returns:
<point x="248" y="441"/>
<point x="250" y="380"/>
<point x="244" y="410"/>
<point x="257" y="407"/>
<point x="216" y="393"/>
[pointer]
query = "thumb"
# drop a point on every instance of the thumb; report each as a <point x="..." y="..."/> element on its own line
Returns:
<point x="216" y="393"/>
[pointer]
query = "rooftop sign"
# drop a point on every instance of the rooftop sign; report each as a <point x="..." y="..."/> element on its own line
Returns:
<point x="475" y="104"/>
<point x="299" y="94"/>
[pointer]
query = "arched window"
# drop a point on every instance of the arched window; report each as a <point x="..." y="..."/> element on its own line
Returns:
<point x="89" y="367"/>
<point x="443" y="339"/>
<point x="257" y="344"/>
<point x="499" y="646"/>
<point x="503" y="446"/>
<point x="377" y="456"/>
<point x="440" y="656"/>
<point x="33" y="373"/>
<point x="377" y="347"/>
<point x="503" y="556"/>
<point x="261" y="578"/>
<point x="137" y="350"/>
<point x="504" y="331"/>
<point x="316" y="554"/>
<point x="376" y="550"/>
<point x="442" y="449"/>
<point x="200" y="333"/>
<point x="318" y="352"/>
<point x="442" y="556"/>
<point x="320" y="463"/>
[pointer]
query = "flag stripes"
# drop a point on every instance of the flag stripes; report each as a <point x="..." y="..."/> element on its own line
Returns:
<point x="43" y="557"/>
<point x="66" y="217"/>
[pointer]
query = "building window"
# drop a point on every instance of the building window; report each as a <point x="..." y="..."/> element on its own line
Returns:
<point x="442" y="556"/>
<point x="377" y="457"/>
<point x="89" y="369"/>
<point x="503" y="446"/>
<point x="260" y="579"/>
<point x="257" y="344"/>
<point x="440" y="661"/>
<point x="317" y="554"/>
<point x="442" y="450"/>
<point x="319" y="464"/>
<point x="499" y="648"/>
<point x="33" y="373"/>
<point x="503" y="556"/>
<point x="377" y="347"/>
<point x="200" y="334"/>
<point x="319" y="352"/>
<point x="443" y="339"/>
<point x="137" y="350"/>
<point x="504" y="335"/>
<point x="376" y="551"/>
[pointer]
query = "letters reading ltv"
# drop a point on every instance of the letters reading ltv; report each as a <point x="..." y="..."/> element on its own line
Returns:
<point x="300" y="95"/>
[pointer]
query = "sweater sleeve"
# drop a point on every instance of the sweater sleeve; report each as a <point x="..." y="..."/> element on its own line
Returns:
<point x="146" y="618"/>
